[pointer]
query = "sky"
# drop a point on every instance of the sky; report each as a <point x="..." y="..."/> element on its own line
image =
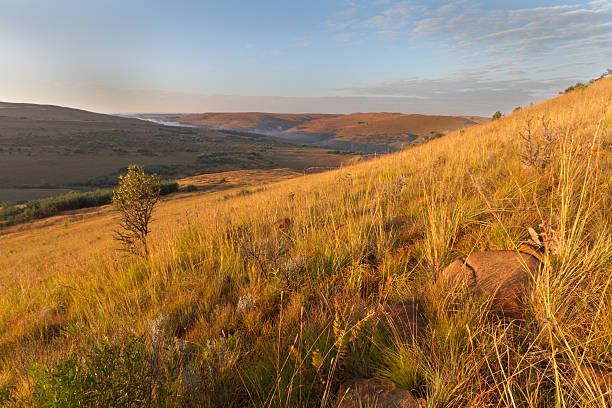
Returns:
<point x="318" y="56"/>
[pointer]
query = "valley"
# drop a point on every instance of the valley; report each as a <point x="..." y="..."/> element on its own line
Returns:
<point x="45" y="148"/>
<point x="367" y="132"/>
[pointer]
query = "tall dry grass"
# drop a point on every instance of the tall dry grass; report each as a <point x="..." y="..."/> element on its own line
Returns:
<point x="280" y="316"/>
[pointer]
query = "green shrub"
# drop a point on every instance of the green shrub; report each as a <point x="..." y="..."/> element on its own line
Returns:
<point x="6" y="397"/>
<point x="578" y="86"/>
<point x="160" y="169"/>
<point x="108" y="376"/>
<point x="135" y="197"/>
<point x="168" y="187"/>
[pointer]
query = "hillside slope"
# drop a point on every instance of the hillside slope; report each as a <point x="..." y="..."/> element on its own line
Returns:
<point x="369" y="132"/>
<point x="378" y="131"/>
<point x="240" y="309"/>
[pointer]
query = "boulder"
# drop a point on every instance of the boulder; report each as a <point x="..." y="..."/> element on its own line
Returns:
<point x="362" y="392"/>
<point x="503" y="275"/>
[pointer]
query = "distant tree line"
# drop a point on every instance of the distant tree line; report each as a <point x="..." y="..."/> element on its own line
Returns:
<point x="580" y="85"/>
<point x="11" y="214"/>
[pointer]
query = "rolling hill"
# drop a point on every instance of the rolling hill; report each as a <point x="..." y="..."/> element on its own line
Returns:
<point x="278" y="295"/>
<point x="264" y="123"/>
<point x="45" y="148"/>
<point x="368" y="132"/>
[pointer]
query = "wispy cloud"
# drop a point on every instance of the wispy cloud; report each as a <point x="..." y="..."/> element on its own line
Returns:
<point x="506" y="53"/>
<point x="471" y="25"/>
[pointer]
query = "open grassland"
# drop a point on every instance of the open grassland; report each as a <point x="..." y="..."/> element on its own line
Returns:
<point x="237" y="309"/>
<point x="49" y="146"/>
<point x="238" y="178"/>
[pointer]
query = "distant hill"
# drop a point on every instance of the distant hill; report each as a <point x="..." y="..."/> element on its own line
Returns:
<point x="45" y="148"/>
<point x="266" y="123"/>
<point x="378" y="131"/>
<point x="31" y="111"/>
<point x="369" y="132"/>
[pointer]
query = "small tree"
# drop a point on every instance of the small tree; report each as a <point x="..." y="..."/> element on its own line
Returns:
<point x="496" y="116"/>
<point x="135" y="197"/>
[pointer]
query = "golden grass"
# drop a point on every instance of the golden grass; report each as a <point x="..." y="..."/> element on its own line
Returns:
<point x="362" y="237"/>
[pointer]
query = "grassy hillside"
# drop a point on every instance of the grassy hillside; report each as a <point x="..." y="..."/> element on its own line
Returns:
<point x="370" y="132"/>
<point x="265" y="123"/>
<point x="379" y="131"/>
<point x="234" y="308"/>
<point x="43" y="147"/>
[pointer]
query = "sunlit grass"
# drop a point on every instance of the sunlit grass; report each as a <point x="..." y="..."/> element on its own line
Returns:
<point x="282" y="315"/>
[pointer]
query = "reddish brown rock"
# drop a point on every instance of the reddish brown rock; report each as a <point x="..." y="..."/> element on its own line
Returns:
<point x="503" y="275"/>
<point x="363" y="392"/>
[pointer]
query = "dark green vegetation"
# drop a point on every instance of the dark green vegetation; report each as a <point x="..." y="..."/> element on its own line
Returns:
<point x="107" y="376"/>
<point x="580" y="85"/>
<point x="15" y="214"/>
<point x="49" y="146"/>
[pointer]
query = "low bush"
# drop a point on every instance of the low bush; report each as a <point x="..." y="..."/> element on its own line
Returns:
<point x="108" y="376"/>
<point x="578" y="86"/>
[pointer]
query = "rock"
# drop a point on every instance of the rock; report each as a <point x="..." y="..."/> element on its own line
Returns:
<point x="52" y="314"/>
<point x="361" y="392"/>
<point x="186" y="353"/>
<point x="294" y="266"/>
<point x="504" y="275"/>
<point x="397" y="222"/>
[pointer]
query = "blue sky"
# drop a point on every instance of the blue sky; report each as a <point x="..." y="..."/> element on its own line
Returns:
<point x="447" y="57"/>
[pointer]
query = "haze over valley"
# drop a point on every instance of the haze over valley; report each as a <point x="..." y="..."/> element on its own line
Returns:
<point x="367" y="132"/>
